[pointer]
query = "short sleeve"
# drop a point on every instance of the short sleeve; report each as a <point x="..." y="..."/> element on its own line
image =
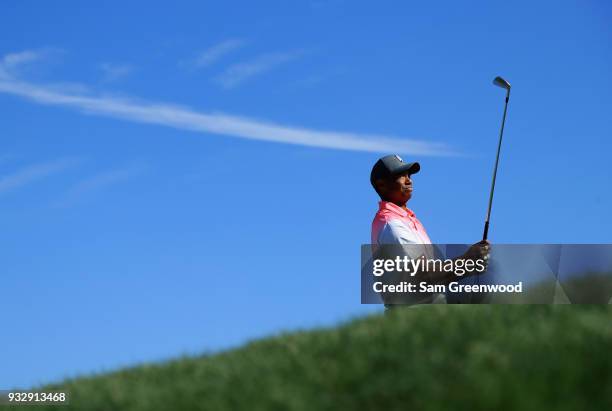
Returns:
<point x="394" y="232"/>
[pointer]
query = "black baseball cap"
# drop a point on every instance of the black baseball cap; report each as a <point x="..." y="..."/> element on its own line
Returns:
<point x="390" y="166"/>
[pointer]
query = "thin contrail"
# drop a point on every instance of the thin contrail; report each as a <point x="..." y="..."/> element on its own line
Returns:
<point x="218" y="123"/>
<point x="34" y="172"/>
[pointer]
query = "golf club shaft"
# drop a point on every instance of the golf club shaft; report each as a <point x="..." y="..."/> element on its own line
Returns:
<point x="501" y="134"/>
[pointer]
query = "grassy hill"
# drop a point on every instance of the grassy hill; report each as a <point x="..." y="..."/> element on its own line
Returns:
<point x="426" y="358"/>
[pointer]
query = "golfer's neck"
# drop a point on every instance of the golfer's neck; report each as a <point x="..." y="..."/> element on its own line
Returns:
<point x="403" y="205"/>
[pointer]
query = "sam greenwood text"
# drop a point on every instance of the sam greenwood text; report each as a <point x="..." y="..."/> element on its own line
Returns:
<point x="458" y="266"/>
<point x="453" y="287"/>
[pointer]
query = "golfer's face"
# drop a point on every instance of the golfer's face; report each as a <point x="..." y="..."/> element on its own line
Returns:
<point x="403" y="187"/>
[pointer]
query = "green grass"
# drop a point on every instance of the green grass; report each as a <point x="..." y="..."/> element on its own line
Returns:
<point x="426" y="358"/>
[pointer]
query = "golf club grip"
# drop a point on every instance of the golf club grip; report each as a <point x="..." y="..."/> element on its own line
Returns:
<point x="486" y="231"/>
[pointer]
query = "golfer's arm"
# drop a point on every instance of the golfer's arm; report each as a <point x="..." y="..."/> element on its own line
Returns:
<point x="394" y="236"/>
<point x="428" y="276"/>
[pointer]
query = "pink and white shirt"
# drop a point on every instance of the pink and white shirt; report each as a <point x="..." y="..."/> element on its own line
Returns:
<point x="396" y="225"/>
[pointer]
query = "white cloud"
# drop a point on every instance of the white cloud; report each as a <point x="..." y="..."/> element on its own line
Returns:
<point x="16" y="59"/>
<point x="33" y="173"/>
<point x="240" y="72"/>
<point x="100" y="181"/>
<point x="216" y="52"/>
<point x="113" y="71"/>
<point x="12" y="63"/>
<point x="217" y="123"/>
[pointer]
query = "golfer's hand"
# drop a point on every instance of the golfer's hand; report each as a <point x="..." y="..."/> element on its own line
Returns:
<point x="479" y="251"/>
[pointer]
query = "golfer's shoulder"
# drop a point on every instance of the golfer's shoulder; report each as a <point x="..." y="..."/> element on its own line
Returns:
<point x="385" y="215"/>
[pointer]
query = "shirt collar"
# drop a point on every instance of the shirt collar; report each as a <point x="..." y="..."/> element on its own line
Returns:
<point x="394" y="208"/>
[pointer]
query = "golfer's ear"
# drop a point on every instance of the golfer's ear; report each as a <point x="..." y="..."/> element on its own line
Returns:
<point x="381" y="186"/>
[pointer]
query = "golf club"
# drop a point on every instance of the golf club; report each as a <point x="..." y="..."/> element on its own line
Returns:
<point x="500" y="82"/>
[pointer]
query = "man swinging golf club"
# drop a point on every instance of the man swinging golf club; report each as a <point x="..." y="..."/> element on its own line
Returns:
<point x="396" y="225"/>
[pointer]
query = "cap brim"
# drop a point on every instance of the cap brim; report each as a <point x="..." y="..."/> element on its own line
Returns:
<point x="411" y="168"/>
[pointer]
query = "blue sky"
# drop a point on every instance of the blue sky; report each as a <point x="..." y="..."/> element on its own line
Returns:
<point x="181" y="180"/>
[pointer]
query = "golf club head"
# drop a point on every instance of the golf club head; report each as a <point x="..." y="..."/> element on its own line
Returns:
<point x="500" y="82"/>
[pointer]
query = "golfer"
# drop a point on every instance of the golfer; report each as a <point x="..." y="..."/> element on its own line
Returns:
<point x="395" y="224"/>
